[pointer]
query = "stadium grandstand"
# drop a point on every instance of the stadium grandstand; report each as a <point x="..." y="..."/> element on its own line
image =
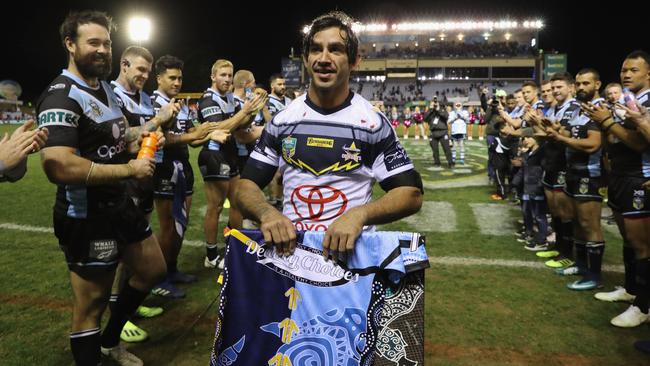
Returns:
<point x="405" y="62"/>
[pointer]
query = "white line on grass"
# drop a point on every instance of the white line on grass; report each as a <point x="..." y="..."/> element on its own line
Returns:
<point x="493" y="218"/>
<point x="438" y="217"/>
<point x="447" y="261"/>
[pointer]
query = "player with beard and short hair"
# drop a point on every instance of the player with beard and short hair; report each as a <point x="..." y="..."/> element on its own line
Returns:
<point x="582" y="138"/>
<point x="95" y="222"/>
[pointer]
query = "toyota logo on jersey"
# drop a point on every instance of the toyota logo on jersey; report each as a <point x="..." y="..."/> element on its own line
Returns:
<point x="318" y="203"/>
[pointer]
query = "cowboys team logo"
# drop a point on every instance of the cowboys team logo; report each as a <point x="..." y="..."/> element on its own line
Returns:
<point x="289" y="147"/>
<point x="561" y="179"/>
<point x="351" y="153"/>
<point x="584" y="185"/>
<point x="97" y="111"/>
<point x="639" y="198"/>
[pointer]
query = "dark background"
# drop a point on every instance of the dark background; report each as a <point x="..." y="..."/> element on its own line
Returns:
<point x="255" y="35"/>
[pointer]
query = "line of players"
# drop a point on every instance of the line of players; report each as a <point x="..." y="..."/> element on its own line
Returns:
<point x="574" y="143"/>
<point x="231" y="114"/>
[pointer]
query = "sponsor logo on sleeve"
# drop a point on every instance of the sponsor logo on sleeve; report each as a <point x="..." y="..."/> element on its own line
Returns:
<point x="58" y="117"/>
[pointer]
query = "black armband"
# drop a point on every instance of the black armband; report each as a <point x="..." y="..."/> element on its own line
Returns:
<point x="409" y="178"/>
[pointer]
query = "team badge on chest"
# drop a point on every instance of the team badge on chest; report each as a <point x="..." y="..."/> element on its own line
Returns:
<point x="289" y="147"/>
<point x="638" y="200"/>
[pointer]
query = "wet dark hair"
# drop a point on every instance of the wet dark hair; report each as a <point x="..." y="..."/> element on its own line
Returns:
<point x="339" y="20"/>
<point x="639" y="54"/>
<point x="168" y="62"/>
<point x="71" y="23"/>
<point x="563" y="76"/>
<point x="589" y="70"/>
<point x="275" y="77"/>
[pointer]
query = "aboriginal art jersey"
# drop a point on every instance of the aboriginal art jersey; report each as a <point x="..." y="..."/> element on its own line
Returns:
<point x="136" y="107"/>
<point x="329" y="159"/>
<point x="302" y="310"/>
<point x="214" y="107"/>
<point x="276" y="104"/>
<point x="579" y="163"/>
<point x="625" y="161"/>
<point x="90" y="121"/>
<point x="555" y="152"/>
<point x="181" y="124"/>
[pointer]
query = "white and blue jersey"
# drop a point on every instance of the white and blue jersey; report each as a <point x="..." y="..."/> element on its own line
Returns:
<point x="329" y="159"/>
<point x="303" y="310"/>
<point x="214" y="107"/>
<point x="555" y="152"/>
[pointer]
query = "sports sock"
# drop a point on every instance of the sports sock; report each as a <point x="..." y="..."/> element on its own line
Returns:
<point x="595" y="252"/>
<point x="642" y="274"/>
<point x="127" y="303"/>
<point x="85" y="346"/>
<point x="211" y="251"/>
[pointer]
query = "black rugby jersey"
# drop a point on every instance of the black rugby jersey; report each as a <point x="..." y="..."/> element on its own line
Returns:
<point x="182" y="124"/>
<point x="555" y="152"/>
<point x="580" y="163"/>
<point x="625" y="161"/>
<point x="89" y="120"/>
<point x="214" y="107"/>
<point x="136" y="107"/>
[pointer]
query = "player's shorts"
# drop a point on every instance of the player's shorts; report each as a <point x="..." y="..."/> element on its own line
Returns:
<point x="241" y="162"/>
<point x="554" y="180"/>
<point x="627" y="196"/>
<point x="163" y="185"/>
<point x="215" y="165"/>
<point x="141" y="192"/>
<point x="94" y="245"/>
<point x="583" y="189"/>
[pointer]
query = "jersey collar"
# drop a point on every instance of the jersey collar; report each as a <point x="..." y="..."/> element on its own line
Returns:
<point x="346" y="103"/>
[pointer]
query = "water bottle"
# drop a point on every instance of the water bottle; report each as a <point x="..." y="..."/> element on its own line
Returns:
<point x="630" y="100"/>
<point x="148" y="147"/>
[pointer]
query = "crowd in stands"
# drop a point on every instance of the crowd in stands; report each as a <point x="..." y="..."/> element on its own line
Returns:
<point x="455" y="49"/>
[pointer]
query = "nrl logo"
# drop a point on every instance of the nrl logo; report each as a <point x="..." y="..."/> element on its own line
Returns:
<point x="289" y="146"/>
<point x="96" y="110"/>
<point x="351" y="153"/>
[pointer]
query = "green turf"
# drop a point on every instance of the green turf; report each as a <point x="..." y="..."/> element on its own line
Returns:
<point x="475" y="315"/>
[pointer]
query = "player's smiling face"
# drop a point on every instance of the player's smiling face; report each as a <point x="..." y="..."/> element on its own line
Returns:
<point x="170" y="82"/>
<point x="328" y="62"/>
<point x="91" y="51"/>
<point x="137" y="73"/>
<point x="561" y="90"/>
<point x="222" y="79"/>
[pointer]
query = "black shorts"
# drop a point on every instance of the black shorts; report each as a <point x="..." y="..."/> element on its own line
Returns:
<point x="627" y="196"/>
<point x="554" y="180"/>
<point x="141" y="192"/>
<point x="94" y="245"/>
<point x="583" y="189"/>
<point x="215" y="165"/>
<point x="241" y="162"/>
<point x="163" y="185"/>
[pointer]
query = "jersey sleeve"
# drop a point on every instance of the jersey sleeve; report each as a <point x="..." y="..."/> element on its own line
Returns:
<point x="209" y="110"/>
<point x="391" y="166"/>
<point x="60" y="115"/>
<point x="265" y="158"/>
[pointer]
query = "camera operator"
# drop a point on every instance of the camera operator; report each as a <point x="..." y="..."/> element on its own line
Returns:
<point x="492" y="117"/>
<point x="438" y="132"/>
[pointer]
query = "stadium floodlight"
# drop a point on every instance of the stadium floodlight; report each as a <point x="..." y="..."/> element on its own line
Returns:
<point x="139" y="29"/>
<point x="508" y="36"/>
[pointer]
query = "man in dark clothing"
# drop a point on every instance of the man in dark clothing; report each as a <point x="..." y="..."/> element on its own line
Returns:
<point x="438" y="132"/>
<point x="502" y="150"/>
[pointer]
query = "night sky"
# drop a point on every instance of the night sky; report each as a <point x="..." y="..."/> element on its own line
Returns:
<point x="255" y="37"/>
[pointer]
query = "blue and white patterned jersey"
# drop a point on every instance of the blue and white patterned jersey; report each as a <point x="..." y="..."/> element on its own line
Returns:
<point x="302" y="310"/>
<point x="329" y="159"/>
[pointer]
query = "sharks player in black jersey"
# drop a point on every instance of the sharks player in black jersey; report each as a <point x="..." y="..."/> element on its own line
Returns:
<point x="218" y="161"/>
<point x="629" y="154"/>
<point x="135" y="67"/>
<point x="582" y="138"/>
<point x="174" y="177"/>
<point x="554" y="165"/>
<point x="96" y="223"/>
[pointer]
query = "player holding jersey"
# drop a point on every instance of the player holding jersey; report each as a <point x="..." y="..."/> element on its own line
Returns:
<point x="330" y="146"/>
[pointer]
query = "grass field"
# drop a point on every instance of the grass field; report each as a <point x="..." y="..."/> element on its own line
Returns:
<point x="488" y="301"/>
